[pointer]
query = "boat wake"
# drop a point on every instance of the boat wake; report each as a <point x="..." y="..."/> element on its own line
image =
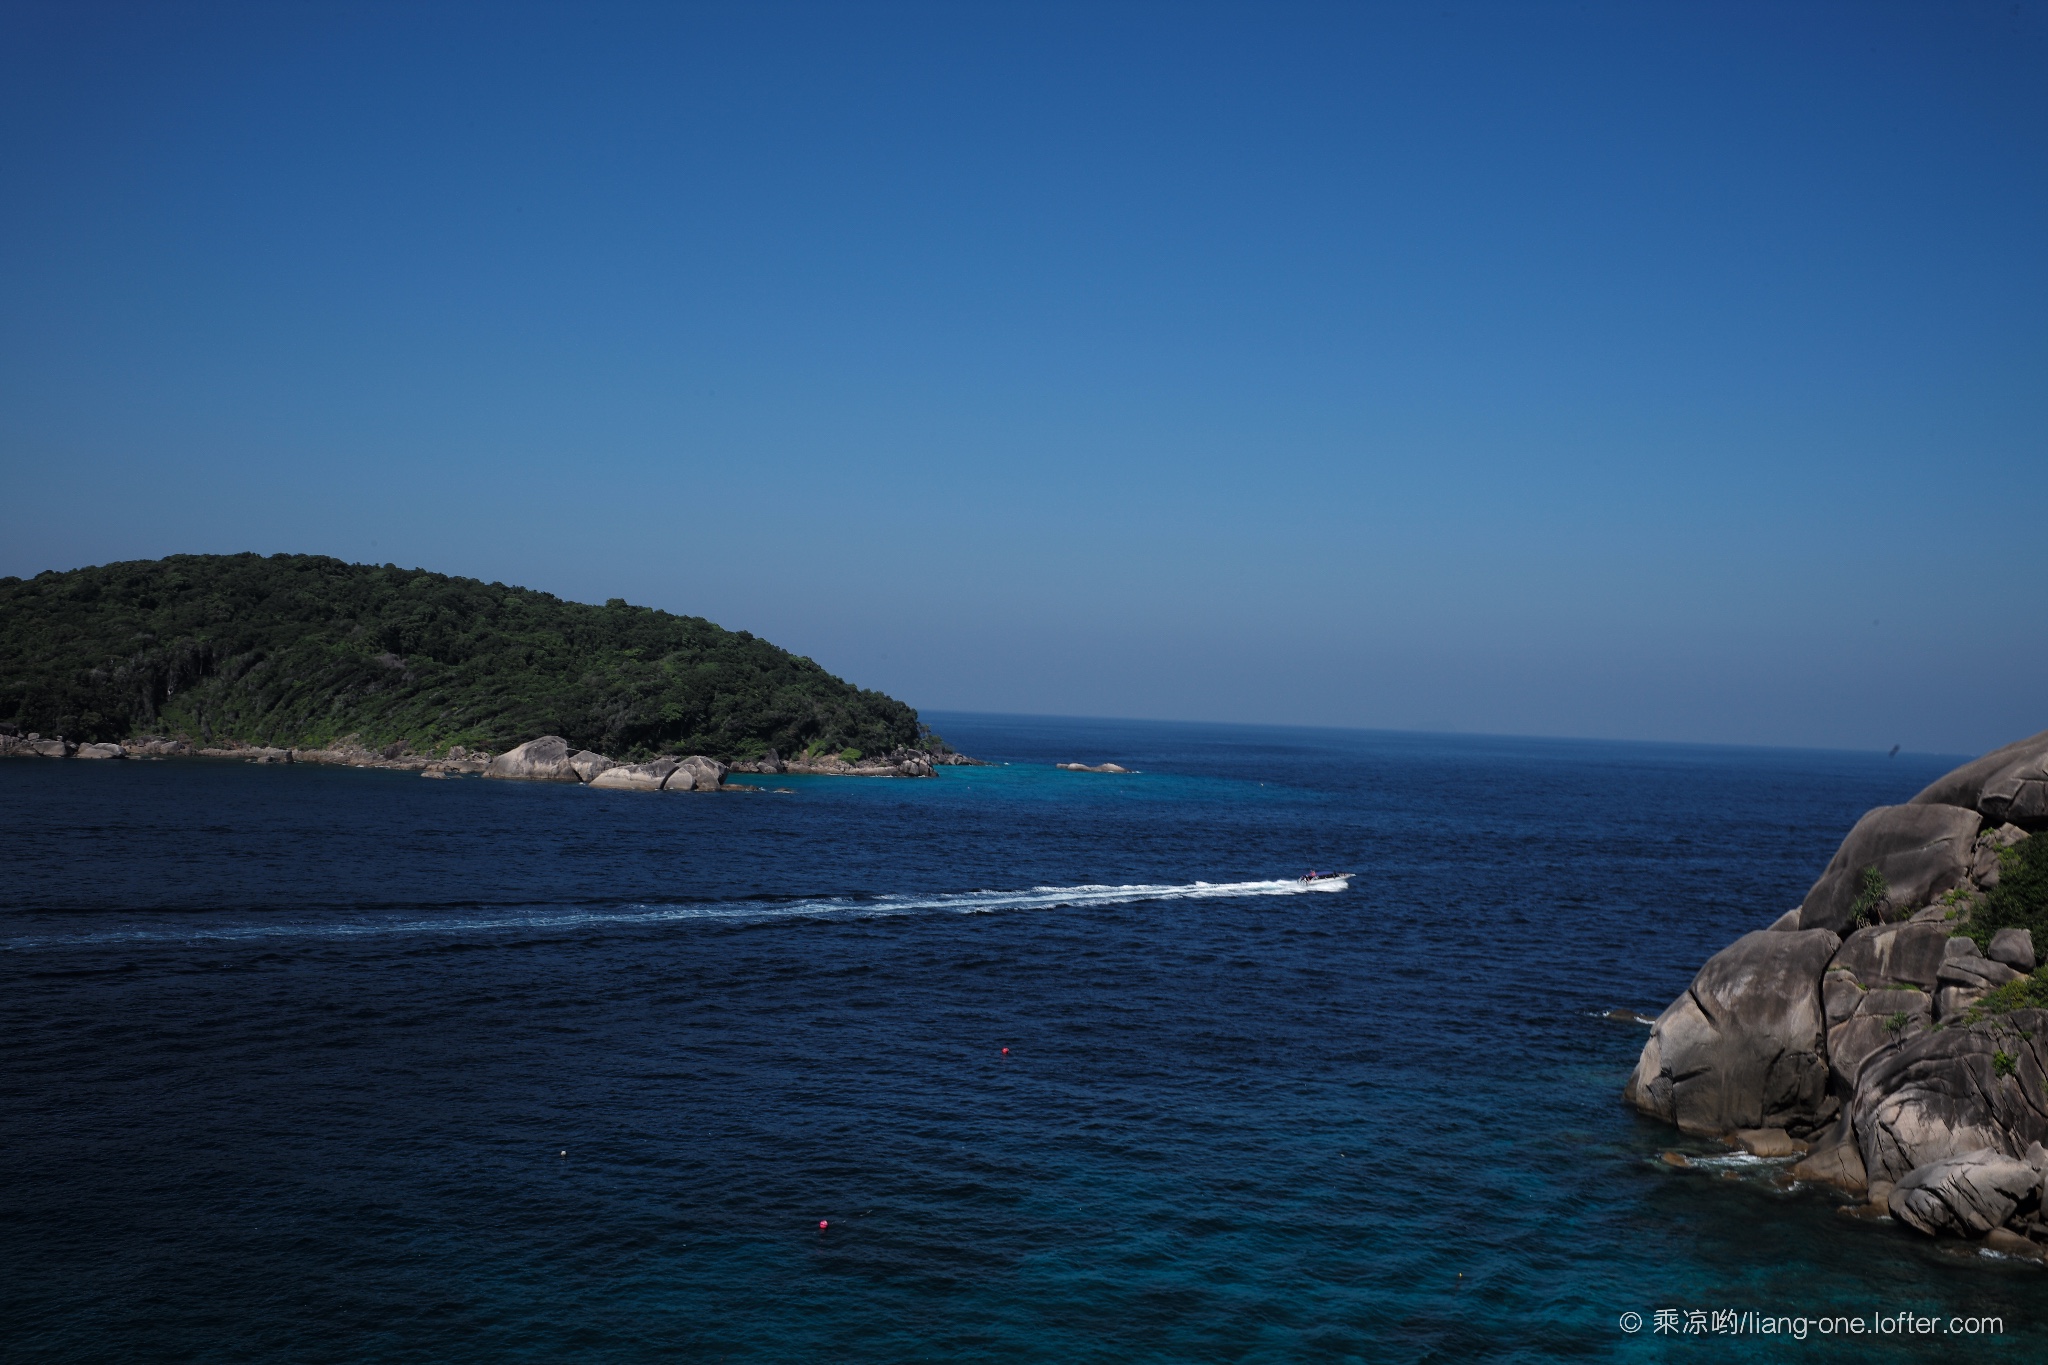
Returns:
<point x="652" y="914"/>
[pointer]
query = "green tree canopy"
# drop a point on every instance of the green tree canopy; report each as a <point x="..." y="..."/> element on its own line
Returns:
<point x="303" y="650"/>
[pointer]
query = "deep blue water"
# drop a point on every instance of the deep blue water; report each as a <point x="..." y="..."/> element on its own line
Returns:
<point x="314" y="1064"/>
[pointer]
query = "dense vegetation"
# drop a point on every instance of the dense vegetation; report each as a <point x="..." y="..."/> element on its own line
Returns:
<point x="304" y="650"/>
<point x="2027" y="993"/>
<point x="2020" y="900"/>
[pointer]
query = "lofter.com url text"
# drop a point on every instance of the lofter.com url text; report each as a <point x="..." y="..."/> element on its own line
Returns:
<point x="1701" y="1322"/>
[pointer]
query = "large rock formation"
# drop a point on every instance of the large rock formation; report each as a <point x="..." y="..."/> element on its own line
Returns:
<point x="1744" y="1047"/>
<point x="1946" y="1091"/>
<point x="2013" y="947"/>
<point x="33" y="745"/>
<point x="1887" y="955"/>
<point x="1966" y="977"/>
<point x="588" y="765"/>
<point x="1914" y="1064"/>
<point x="636" y="777"/>
<point x="548" y="759"/>
<point x="538" y="760"/>
<point x="696" y="773"/>
<point x="1968" y="1194"/>
<point x="1919" y="850"/>
<point x="2009" y="784"/>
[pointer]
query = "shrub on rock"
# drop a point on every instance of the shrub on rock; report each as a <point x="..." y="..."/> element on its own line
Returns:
<point x="1919" y="851"/>
<point x="2020" y="899"/>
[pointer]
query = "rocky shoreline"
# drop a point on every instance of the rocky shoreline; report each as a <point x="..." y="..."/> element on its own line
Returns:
<point x="898" y="763"/>
<point x="345" y="753"/>
<point x="1884" y="1032"/>
<point x="547" y="759"/>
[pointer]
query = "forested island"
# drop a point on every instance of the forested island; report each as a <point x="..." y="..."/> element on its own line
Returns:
<point x="304" y="651"/>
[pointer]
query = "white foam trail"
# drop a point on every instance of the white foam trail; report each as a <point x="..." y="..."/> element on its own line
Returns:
<point x="959" y="902"/>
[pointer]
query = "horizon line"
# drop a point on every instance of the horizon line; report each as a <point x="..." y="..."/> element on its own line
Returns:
<point x="1438" y="734"/>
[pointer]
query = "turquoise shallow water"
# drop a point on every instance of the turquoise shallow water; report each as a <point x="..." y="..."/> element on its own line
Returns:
<point x="313" y="1064"/>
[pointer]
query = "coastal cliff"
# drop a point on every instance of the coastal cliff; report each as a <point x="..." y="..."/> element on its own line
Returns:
<point x="1891" y="1030"/>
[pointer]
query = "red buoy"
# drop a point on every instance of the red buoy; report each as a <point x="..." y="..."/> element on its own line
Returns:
<point x="1006" y="1052"/>
<point x="822" y="1225"/>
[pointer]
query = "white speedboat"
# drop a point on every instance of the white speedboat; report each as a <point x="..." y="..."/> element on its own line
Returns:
<point x="1327" y="881"/>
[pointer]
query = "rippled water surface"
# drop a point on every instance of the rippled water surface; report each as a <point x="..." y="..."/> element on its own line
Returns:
<point x="317" y="1064"/>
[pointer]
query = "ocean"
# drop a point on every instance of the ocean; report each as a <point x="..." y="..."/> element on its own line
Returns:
<point x="1013" y="1064"/>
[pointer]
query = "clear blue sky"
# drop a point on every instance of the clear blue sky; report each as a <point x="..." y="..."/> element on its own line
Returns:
<point x="1648" y="370"/>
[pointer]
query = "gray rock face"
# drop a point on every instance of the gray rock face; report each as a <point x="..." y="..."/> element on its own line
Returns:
<point x="2018" y="800"/>
<point x="1886" y="1003"/>
<point x="49" y="748"/>
<point x="2009" y="1243"/>
<point x="588" y="765"/>
<point x="1745" y="1046"/>
<point x="1835" y="1162"/>
<point x="1881" y="1018"/>
<point x="2015" y="948"/>
<point x="697" y="773"/>
<point x="1767" y="1142"/>
<point x="1841" y="994"/>
<point x="1936" y="1107"/>
<point x="1967" y="978"/>
<point x="1854" y="1041"/>
<point x="158" y="748"/>
<point x="638" y="777"/>
<point x="1894" y="954"/>
<point x="2000" y="771"/>
<point x="538" y="760"/>
<point x="1968" y="1194"/>
<point x="1921" y="850"/>
<point x="1985" y="866"/>
<point x="100" y="751"/>
<point x="1941" y="1094"/>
